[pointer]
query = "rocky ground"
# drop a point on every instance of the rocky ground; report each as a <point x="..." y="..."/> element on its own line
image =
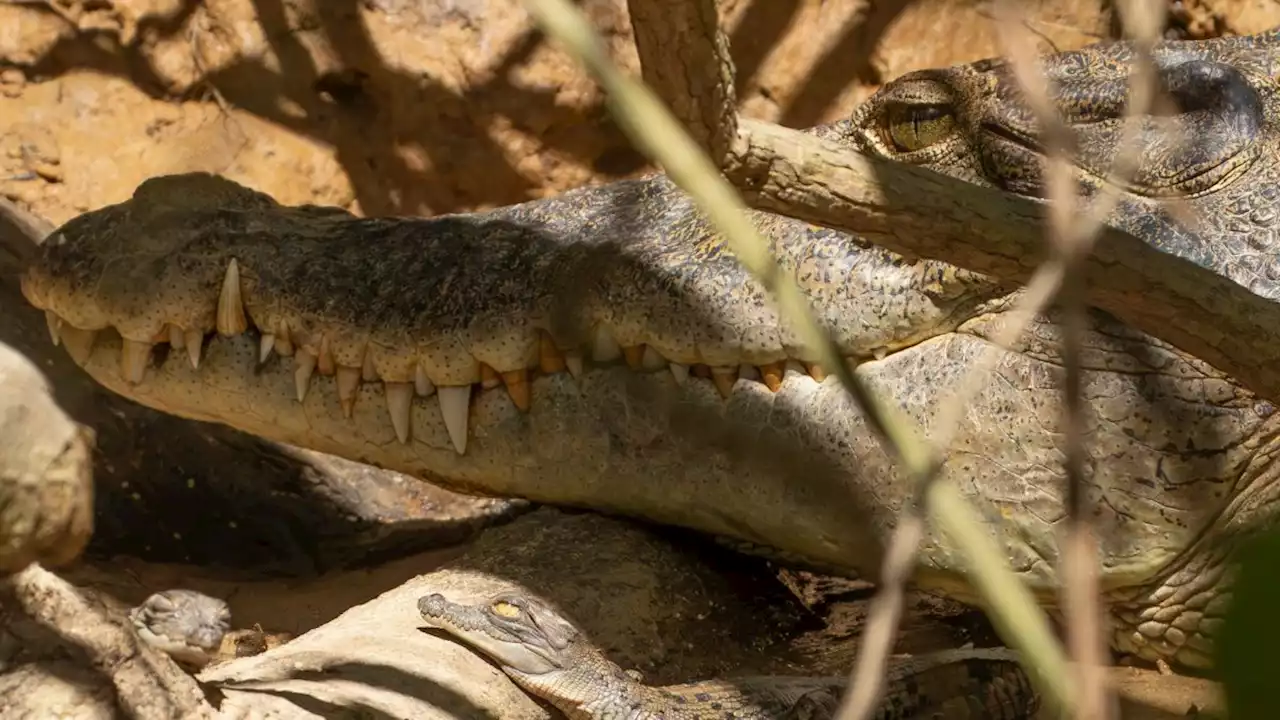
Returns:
<point x="396" y="107"/>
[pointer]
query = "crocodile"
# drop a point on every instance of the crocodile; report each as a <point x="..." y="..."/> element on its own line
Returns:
<point x="546" y="655"/>
<point x="185" y="624"/>
<point x="603" y="349"/>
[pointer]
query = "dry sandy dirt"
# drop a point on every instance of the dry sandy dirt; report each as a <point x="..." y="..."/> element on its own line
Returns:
<point x="421" y="108"/>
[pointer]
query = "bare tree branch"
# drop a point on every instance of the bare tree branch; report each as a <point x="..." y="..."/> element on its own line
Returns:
<point x="919" y="212"/>
<point x="684" y="58"/>
<point x="148" y="684"/>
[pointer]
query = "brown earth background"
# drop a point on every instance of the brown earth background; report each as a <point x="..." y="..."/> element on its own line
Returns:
<point x="421" y="108"/>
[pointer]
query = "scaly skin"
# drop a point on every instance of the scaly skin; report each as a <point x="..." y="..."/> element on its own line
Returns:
<point x="186" y="624"/>
<point x="547" y="656"/>
<point x="1180" y="455"/>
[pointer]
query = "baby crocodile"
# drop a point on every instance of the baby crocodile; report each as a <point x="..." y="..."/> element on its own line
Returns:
<point x="185" y="624"/>
<point x="548" y="656"/>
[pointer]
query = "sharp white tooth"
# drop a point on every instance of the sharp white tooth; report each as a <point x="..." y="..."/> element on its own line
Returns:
<point x="652" y="360"/>
<point x="399" y="403"/>
<point x="573" y="361"/>
<point x="421" y="383"/>
<point x="324" y="361"/>
<point x="368" y="373"/>
<point x="305" y="364"/>
<point x="79" y="343"/>
<point x="284" y="343"/>
<point x="264" y="348"/>
<point x="605" y="348"/>
<point x="134" y="356"/>
<point x="194" y="340"/>
<point x="679" y="372"/>
<point x="231" y="319"/>
<point x="455" y="408"/>
<point x="880" y="353"/>
<point x="177" y="340"/>
<point x="348" y="383"/>
<point x="55" y="325"/>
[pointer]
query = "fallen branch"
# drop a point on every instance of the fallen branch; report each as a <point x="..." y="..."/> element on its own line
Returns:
<point x="918" y="212"/>
<point x="148" y="684"/>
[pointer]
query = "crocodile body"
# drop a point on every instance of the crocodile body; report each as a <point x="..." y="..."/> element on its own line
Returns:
<point x="549" y="657"/>
<point x="603" y="349"/>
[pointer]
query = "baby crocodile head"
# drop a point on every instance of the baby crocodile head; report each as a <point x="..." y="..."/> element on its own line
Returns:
<point x="521" y="634"/>
<point x="185" y="624"/>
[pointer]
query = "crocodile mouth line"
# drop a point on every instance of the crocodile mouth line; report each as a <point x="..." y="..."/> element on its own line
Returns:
<point x="314" y="353"/>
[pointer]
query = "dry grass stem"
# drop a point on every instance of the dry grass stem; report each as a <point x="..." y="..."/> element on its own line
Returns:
<point x="1072" y="243"/>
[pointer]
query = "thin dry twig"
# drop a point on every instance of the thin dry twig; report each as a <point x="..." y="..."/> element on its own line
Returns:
<point x="1071" y="246"/>
<point x="653" y="128"/>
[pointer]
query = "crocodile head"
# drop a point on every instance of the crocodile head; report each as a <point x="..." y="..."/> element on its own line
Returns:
<point x="522" y="635"/>
<point x="603" y="349"/>
<point x="186" y="624"/>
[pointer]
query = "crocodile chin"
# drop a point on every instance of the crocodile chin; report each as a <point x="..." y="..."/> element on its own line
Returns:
<point x="603" y="349"/>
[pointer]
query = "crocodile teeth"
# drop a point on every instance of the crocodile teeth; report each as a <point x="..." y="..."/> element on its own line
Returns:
<point x="680" y="372"/>
<point x="772" y="374"/>
<point x="79" y="343"/>
<point x="517" y="382"/>
<point x="634" y="355"/>
<point x="177" y="340"/>
<point x="306" y="365"/>
<point x="133" y="360"/>
<point x="324" y="360"/>
<point x="724" y="377"/>
<point x="348" y="384"/>
<point x="399" y="402"/>
<point x="489" y="377"/>
<point x="421" y="383"/>
<point x="55" y="324"/>
<point x="455" y="407"/>
<point x="194" y="340"/>
<point x="652" y="360"/>
<point x="368" y="372"/>
<point x="231" y="319"/>
<point x="284" y="343"/>
<point x="264" y="347"/>
<point x="573" y="361"/>
<point x="549" y="358"/>
<point x="815" y="371"/>
<point x="605" y="348"/>
<point x="793" y="367"/>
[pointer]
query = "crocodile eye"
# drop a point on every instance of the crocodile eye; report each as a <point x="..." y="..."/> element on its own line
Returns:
<point x="505" y="609"/>
<point x="916" y="127"/>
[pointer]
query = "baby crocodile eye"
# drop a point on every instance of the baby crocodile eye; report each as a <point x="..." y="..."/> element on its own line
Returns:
<point x="506" y="609"/>
<point x="916" y="127"/>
